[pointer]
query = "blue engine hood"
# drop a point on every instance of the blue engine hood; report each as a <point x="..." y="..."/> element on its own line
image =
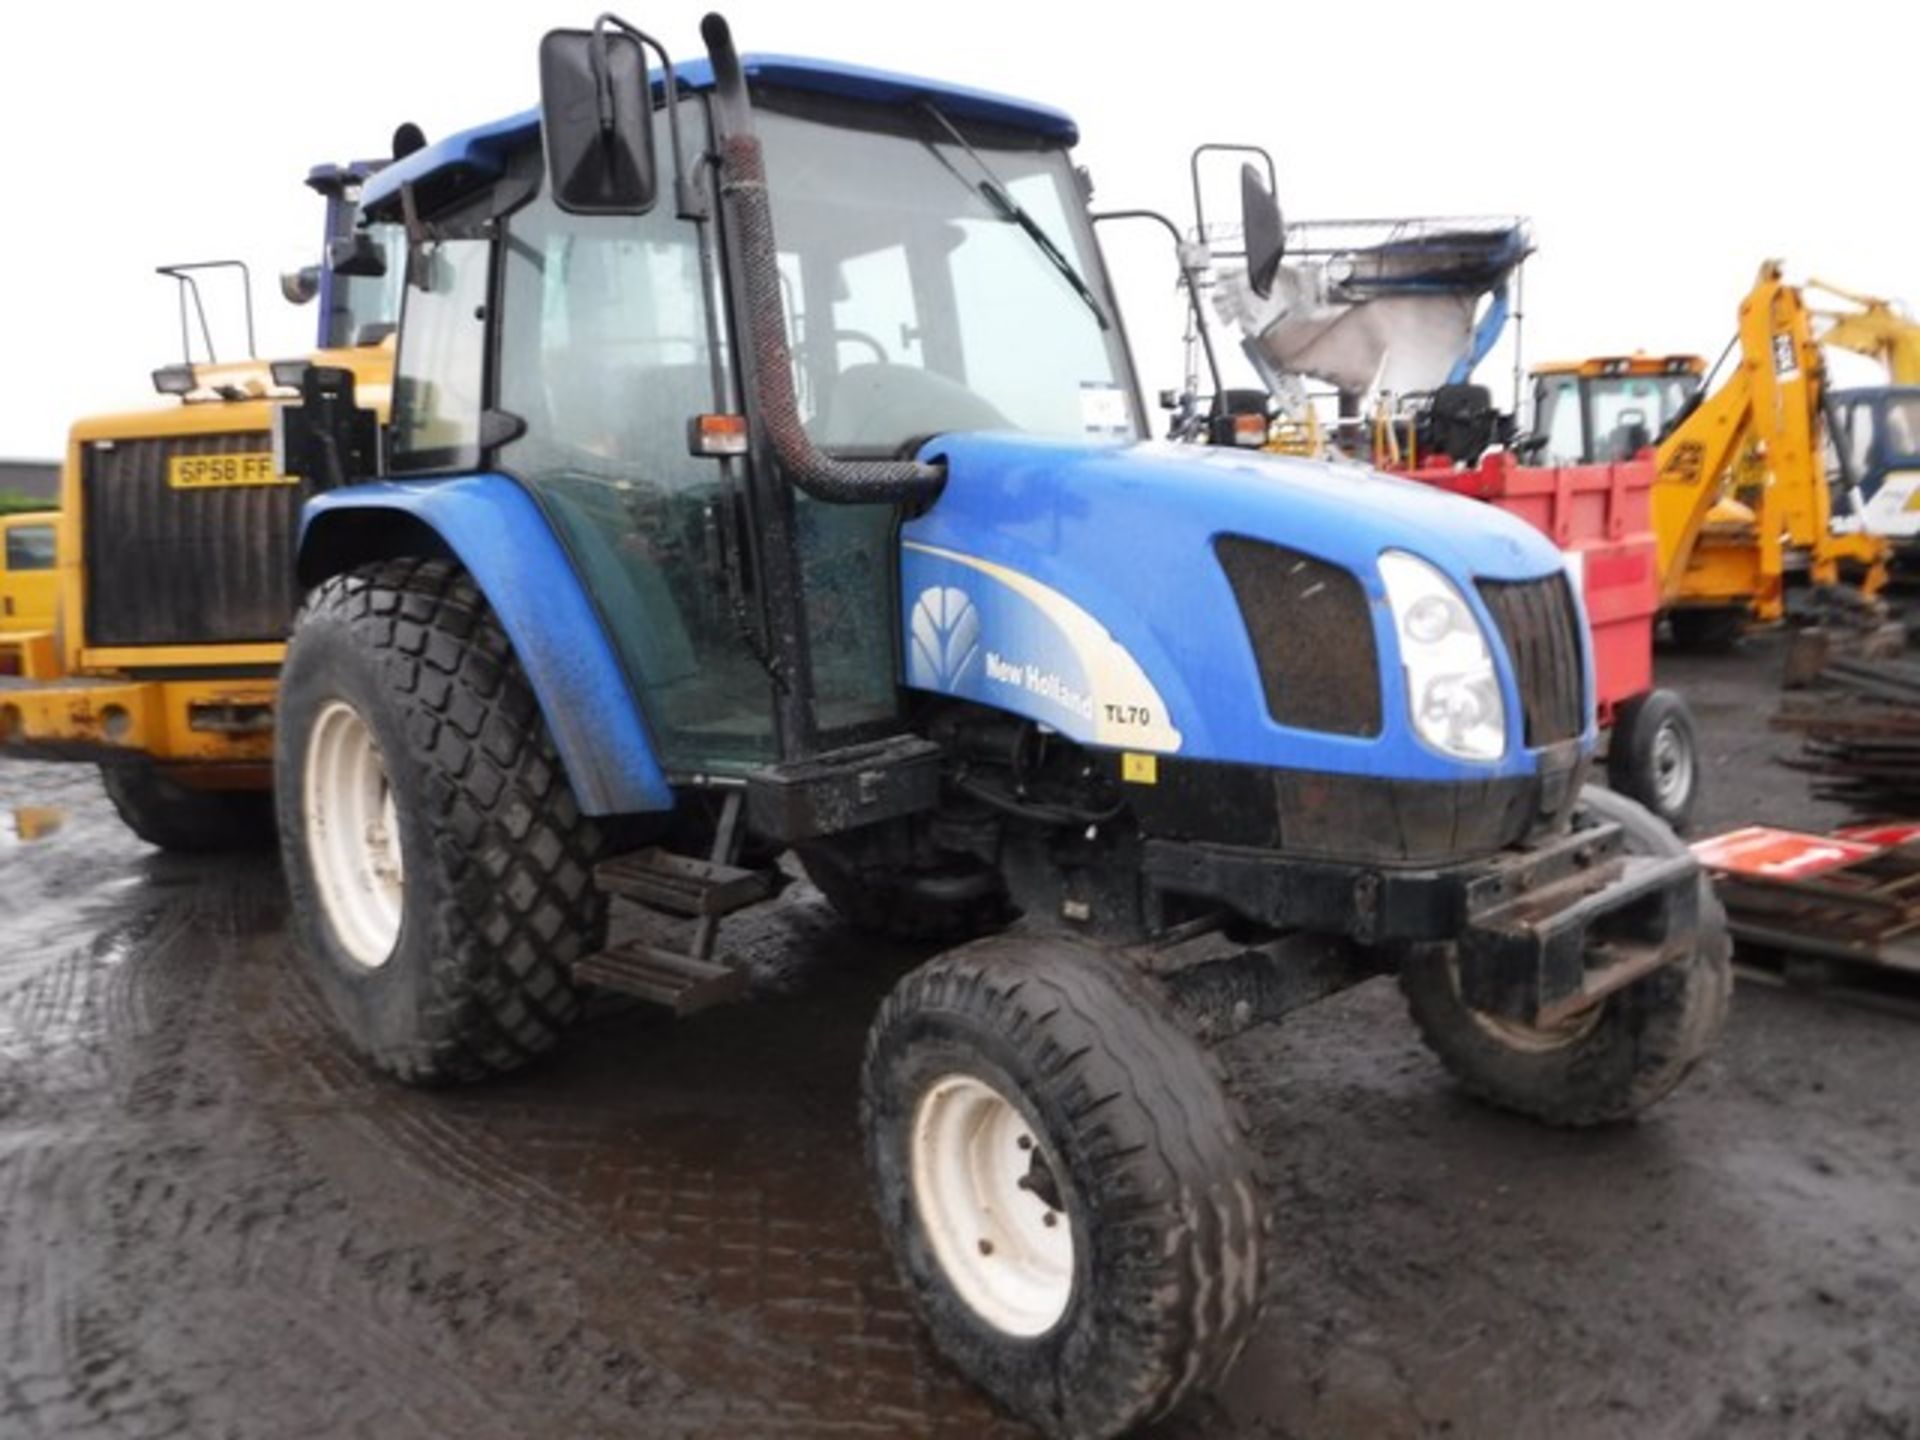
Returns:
<point x="1124" y="536"/>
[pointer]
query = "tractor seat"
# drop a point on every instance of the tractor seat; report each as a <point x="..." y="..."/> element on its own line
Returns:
<point x="877" y="408"/>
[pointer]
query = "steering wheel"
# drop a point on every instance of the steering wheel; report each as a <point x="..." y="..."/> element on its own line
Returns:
<point x="861" y="337"/>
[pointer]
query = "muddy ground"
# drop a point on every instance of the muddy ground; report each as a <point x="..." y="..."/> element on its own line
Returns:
<point x="214" y="1223"/>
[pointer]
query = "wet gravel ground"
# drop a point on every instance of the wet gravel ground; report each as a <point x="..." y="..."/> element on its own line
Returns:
<point x="213" y="1222"/>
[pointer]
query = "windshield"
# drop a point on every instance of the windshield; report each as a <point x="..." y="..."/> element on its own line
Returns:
<point x="916" y="306"/>
<point x="1627" y="413"/>
<point x="1902" y="441"/>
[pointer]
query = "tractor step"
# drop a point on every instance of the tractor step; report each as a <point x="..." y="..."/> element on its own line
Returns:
<point x="682" y="885"/>
<point x="678" y="982"/>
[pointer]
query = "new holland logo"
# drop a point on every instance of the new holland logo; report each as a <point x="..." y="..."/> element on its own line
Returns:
<point x="946" y="638"/>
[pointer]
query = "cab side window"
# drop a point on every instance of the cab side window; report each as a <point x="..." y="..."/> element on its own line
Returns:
<point x="441" y="368"/>
<point x="29" y="547"/>
<point x="1558" y="417"/>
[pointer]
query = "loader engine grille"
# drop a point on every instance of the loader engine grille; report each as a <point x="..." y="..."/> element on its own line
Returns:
<point x="189" y="566"/>
<point x="1312" y="635"/>
<point x="1541" y="629"/>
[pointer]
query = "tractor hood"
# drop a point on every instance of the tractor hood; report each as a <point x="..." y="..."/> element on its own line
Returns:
<point x="1080" y="584"/>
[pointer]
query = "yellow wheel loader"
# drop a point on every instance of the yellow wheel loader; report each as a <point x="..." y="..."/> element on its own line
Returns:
<point x="172" y="558"/>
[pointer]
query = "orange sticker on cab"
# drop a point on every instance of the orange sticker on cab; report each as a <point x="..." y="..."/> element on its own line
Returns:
<point x="211" y="472"/>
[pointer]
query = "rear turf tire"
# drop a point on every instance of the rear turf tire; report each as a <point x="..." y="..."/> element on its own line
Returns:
<point x="439" y="870"/>
<point x="1609" y="1064"/>
<point x="1148" y="1282"/>
<point x="163" y="812"/>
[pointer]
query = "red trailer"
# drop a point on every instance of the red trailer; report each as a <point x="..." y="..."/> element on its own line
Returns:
<point x="1601" y="517"/>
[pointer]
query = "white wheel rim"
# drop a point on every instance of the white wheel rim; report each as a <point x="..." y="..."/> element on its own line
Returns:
<point x="353" y="835"/>
<point x="1672" y="766"/>
<point x="988" y="1198"/>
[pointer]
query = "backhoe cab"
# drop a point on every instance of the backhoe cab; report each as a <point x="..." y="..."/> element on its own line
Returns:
<point x="768" y="471"/>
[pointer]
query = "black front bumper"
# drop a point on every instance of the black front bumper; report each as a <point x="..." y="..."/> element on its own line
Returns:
<point x="1541" y="930"/>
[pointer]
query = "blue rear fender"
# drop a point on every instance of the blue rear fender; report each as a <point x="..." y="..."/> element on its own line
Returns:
<point x="1061" y="580"/>
<point x="495" y="530"/>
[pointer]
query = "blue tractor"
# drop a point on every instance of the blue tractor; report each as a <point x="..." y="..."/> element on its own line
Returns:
<point x="774" y="481"/>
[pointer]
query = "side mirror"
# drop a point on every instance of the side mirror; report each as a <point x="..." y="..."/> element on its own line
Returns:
<point x="356" y="254"/>
<point x="596" y="119"/>
<point x="1265" y="232"/>
<point x="298" y="287"/>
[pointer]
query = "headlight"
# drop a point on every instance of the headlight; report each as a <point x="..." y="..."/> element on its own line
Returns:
<point x="1453" y="691"/>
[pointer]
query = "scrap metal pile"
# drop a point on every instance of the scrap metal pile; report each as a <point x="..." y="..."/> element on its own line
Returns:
<point x="1860" y="726"/>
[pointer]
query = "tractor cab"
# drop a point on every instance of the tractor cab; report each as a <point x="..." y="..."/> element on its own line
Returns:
<point x="931" y="270"/>
<point x="1596" y="412"/>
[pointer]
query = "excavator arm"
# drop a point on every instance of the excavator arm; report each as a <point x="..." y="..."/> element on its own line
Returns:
<point x="1876" y="328"/>
<point x="1765" y="418"/>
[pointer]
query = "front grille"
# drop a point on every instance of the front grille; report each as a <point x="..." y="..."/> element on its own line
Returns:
<point x="190" y="566"/>
<point x="1312" y="635"/>
<point x="1541" y="629"/>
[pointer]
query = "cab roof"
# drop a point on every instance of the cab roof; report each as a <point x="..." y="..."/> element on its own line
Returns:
<point x="480" y="153"/>
<point x="1638" y="363"/>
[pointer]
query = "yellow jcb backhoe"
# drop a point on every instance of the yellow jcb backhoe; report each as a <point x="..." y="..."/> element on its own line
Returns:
<point x="1743" y="497"/>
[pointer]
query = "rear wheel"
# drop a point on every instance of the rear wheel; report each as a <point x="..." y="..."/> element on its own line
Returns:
<point x="163" y="812"/>
<point x="1610" y="1061"/>
<point x="1654" y="756"/>
<point x="1715" y="629"/>
<point x="1070" y="1195"/>
<point x="439" y="870"/>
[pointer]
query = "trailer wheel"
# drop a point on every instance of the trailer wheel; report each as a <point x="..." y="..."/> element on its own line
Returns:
<point x="1654" y="756"/>
<point x="1611" y="1061"/>
<point x="439" y="870"/>
<point x="163" y="812"/>
<point x="1714" y="629"/>
<point x="1071" y="1197"/>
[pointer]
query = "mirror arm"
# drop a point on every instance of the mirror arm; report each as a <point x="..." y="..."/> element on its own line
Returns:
<point x="688" y="202"/>
<point x="1192" y="284"/>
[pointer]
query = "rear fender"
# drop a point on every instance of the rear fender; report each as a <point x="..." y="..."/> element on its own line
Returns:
<point x="493" y="528"/>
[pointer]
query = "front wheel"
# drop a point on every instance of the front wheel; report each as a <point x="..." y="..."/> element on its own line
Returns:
<point x="439" y="871"/>
<point x="1608" y="1062"/>
<point x="1069" y="1193"/>
<point x="163" y="812"/>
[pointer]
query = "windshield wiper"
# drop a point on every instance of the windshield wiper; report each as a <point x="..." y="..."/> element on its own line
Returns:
<point x="1001" y="200"/>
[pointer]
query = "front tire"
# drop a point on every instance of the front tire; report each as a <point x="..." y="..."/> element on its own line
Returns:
<point x="438" y="867"/>
<point x="1611" y="1061"/>
<point x="1069" y="1193"/>
<point x="163" y="812"/>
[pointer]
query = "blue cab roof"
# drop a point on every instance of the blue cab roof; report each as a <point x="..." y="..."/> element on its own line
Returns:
<point x="482" y="151"/>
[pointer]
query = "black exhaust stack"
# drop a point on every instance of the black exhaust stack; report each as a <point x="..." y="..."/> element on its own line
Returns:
<point x="768" y="361"/>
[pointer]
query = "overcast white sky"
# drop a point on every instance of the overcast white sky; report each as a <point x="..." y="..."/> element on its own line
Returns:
<point x="1662" y="150"/>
